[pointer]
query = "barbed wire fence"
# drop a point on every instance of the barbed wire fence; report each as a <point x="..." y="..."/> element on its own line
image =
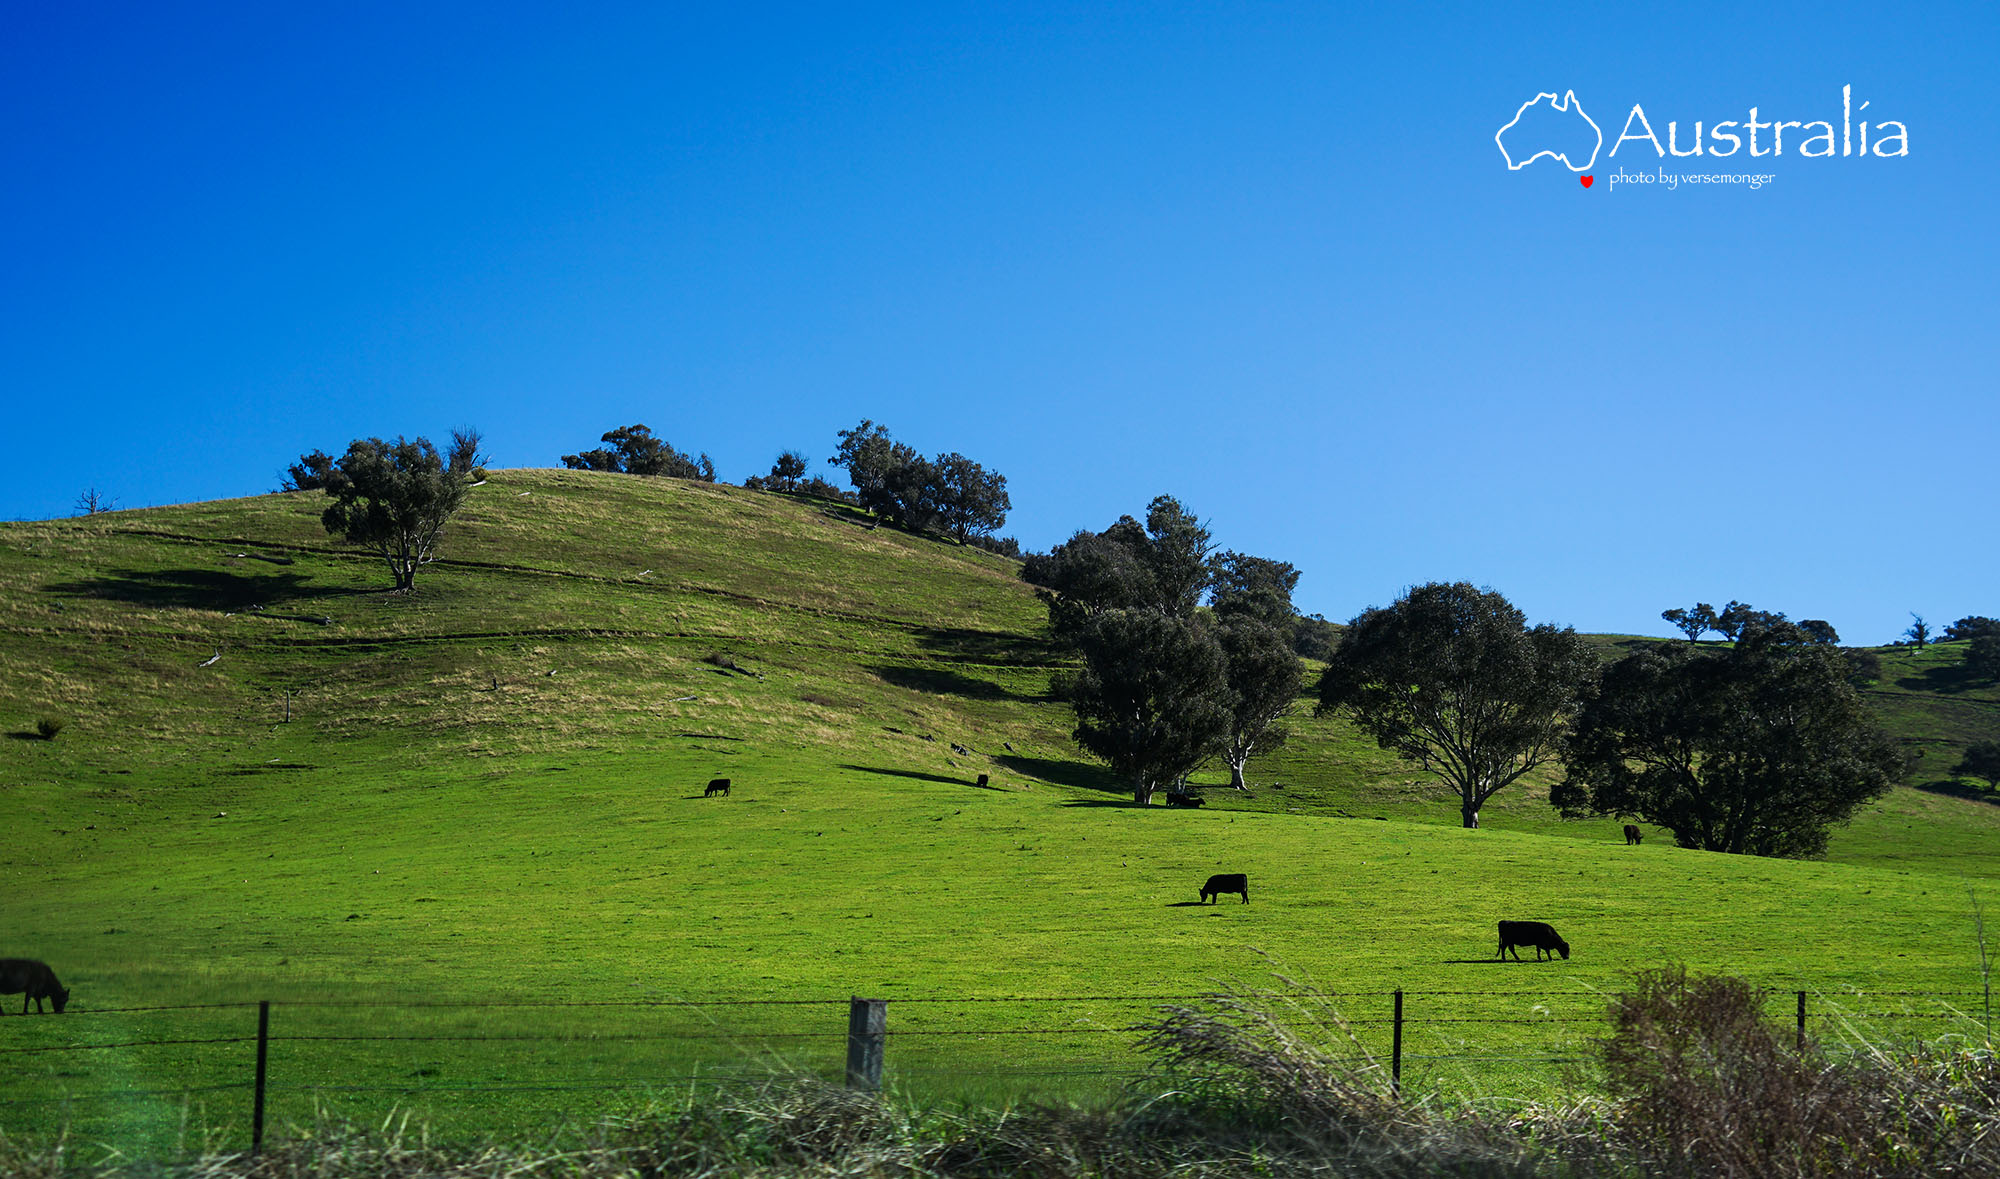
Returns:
<point x="1378" y="1024"/>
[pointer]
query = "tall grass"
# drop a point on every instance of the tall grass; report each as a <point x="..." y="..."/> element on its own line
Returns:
<point x="1693" y="1082"/>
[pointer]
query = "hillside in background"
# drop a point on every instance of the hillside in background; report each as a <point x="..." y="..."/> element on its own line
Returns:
<point x="584" y="614"/>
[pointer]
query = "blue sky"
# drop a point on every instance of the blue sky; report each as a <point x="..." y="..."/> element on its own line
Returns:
<point x="1265" y="258"/>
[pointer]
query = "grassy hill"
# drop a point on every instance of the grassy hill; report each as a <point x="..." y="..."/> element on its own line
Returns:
<point x="277" y="781"/>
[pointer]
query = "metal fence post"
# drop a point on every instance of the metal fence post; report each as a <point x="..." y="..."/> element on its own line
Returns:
<point x="263" y="1056"/>
<point x="1396" y="1049"/>
<point x="867" y="1028"/>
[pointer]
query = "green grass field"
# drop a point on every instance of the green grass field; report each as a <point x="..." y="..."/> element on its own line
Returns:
<point x="490" y="793"/>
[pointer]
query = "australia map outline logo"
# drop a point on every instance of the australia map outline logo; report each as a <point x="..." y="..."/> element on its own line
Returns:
<point x="1549" y="124"/>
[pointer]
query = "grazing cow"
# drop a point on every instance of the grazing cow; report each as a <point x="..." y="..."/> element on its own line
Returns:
<point x="1632" y="835"/>
<point x="1223" y="882"/>
<point x="1540" y="935"/>
<point x="1186" y="800"/>
<point x="718" y="786"/>
<point x="35" y="981"/>
<point x="982" y="779"/>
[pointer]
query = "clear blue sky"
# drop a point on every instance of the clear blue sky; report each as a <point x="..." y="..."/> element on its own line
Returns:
<point x="1265" y="258"/>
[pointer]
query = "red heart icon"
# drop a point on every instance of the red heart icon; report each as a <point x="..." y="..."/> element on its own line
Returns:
<point x="1587" y="180"/>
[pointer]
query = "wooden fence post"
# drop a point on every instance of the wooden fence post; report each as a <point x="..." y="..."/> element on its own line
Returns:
<point x="1802" y="1021"/>
<point x="867" y="1028"/>
<point x="1396" y="1049"/>
<point x="263" y="1056"/>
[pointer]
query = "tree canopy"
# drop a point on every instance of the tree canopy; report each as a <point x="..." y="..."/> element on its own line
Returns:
<point x="1254" y="622"/>
<point x="1151" y="696"/>
<point x="1972" y="626"/>
<point x="1162" y="565"/>
<point x="634" y="450"/>
<point x="315" y="471"/>
<point x="1758" y="749"/>
<point x="1693" y="621"/>
<point x="395" y="498"/>
<point x="949" y="493"/>
<point x="1452" y="678"/>
<point x="1159" y="674"/>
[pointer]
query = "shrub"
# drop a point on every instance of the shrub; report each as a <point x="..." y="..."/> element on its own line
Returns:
<point x="1704" y="1085"/>
<point x="1005" y="546"/>
<point x="47" y="728"/>
<point x="1972" y="626"/>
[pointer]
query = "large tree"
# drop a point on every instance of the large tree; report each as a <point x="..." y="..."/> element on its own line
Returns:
<point x="1255" y="621"/>
<point x="1263" y="676"/>
<point x="1452" y="678"/>
<point x="1155" y="696"/>
<point x="1693" y="621"/>
<point x="1151" y="695"/>
<point x="1759" y="749"/>
<point x="395" y="497"/>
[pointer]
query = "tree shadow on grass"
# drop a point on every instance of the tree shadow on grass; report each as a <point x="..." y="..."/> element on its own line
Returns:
<point x="201" y="589"/>
<point x="919" y="776"/>
<point x="986" y="646"/>
<point x="942" y="681"/>
<point x="1082" y="775"/>
<point x="1945" y="681"/>
<point x="1481" y="961"/>
<point x="1955" y="789"/>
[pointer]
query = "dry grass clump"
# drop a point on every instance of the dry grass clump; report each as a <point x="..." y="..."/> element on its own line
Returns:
<point x="1280" y="1083"/>
<point x="1702" y="1084"/>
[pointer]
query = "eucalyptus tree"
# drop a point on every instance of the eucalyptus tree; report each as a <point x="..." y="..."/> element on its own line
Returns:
<point x="1452" y="678"/>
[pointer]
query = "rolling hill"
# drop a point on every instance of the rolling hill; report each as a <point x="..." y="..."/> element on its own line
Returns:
<point x="275" y="780"/>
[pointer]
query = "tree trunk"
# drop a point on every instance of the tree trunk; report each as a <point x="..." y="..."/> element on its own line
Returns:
<point x="1142" y="790"/>
<point x="1236" y="774"/>
<point x="1470" y="816"/>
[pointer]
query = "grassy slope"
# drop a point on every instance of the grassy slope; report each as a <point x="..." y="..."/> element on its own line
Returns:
<point x="492" y="789"/>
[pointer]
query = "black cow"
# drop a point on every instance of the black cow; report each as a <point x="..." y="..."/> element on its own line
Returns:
<point x="1186" y="800"/>
<point x="34" y="981"/>
<point x="1223" y="882"/>
<point x="1632" y="835"/>
<point x="1538" y="934"/>
<point x="983" y="779"/>
<point x="718" y="786"/>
